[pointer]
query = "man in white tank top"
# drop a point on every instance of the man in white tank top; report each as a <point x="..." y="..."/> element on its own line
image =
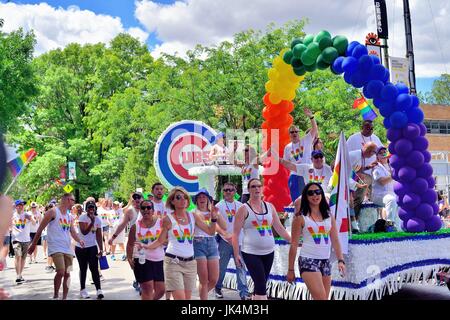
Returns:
<point x="60" y="228"/>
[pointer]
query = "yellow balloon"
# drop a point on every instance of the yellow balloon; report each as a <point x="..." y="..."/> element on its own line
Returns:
<point x="291" y="95"/>
<point x="276" y="62"/>
<point x="269" y="86"/>
<point x="275" y="98"/>
<point x="282" y="52"/>
<point x="273" y="74"/>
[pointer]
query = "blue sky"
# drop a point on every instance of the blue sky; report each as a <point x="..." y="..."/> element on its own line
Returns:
<point x="174" y="27"/>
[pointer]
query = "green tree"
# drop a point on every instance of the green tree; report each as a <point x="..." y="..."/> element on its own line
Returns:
<point x="441" y="90"/>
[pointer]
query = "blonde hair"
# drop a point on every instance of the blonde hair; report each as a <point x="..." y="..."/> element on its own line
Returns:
<point x="171" y="196"/>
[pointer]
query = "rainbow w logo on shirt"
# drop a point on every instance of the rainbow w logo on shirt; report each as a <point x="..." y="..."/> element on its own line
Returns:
<point x="104" y="216"/>
<point x="148" y="237"/>
<point x="247" y="173"/>
<point x="263" y="227"/>
<point x="230" y="214"/>
<point x="115" y="216"/>
<point x="20" y="224"/>
<point x="317" y="236"/>
<point x="186" y="236"/>
<point x="297" y="153"/>
<point x="65" y="224"/>
<point x="313" y="178"/>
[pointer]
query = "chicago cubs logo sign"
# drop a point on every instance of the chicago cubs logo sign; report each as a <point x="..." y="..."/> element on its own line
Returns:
<point x="181" y="146"/>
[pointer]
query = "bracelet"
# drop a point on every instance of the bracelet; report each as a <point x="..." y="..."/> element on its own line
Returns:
<point x="340" y="260"/>
<point x="213" y="220"/>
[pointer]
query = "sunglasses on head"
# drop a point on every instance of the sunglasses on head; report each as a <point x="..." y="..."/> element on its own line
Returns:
<point x="318" y="157"/>
<point x="228" y="190"/>
<point x="136" y="196"/>
<point x="314" y="192"/>
<point x="179" y="197"/>
<point x="146" y="207"/>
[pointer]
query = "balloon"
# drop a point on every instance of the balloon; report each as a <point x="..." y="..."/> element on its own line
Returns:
<point x="419" y="186"/>
<point x="423" y="129"/>
<point x="359" y="79"/>
<point x="325" y="43"/>
<point x="359" y="51"/>
<point x="391" y="148"/>
<point x="386" y="76"/>
<point x="300" y="71"/>
<point x="402" y="88"/>
<point x="311" y="68"/>
<point x="348" y="77"/>
<point x="375" y="59"/>
<point x="401" y="189"/>
<point x="426" y="156"/>
<point x="410" y="201"/>
<point x="387" y="123"/>
<point x="403" y="147"/>
<point x="296" y="63"/>
<point x="412" y="131"/>
<point x="308" y="58"/>
<point x="295" y="42"/>
<point x="308" y="39"/>
<point x="377" y="72"/>
<point x="393" y="134"/>
<point x="329" y="54"/>
<point x="415" y="115"/>
<point x="350" y="48"/>
<point x="398" y="119"/>
<point x="405" y="215"/>
<point x="314" y="49"/>
<point x="287" y="57"/>
<point x="365" y="63"/>
<point x="275" y="98"/>
<point x="425" y="170"/>
<point x="321" y="65"/>
<point x="366" y="93"/>
<point x="397" y="162"/>
<point x="395" y="175"/>
<point x="273" y="74"/>
<point x="415" y="225"/>
<point x="415" y="102"/>
<point x="406" y="174"/>
<point x="431" y="182"/>
<point x="374" y="88"/>
<point x="435" y="206"/>
<point x="429" y="196"/>
<point x="389" y="92"/>
<point x="433" y="224"/>
<point x="415" y="159"/>
<point x="341" y="44"/>
<point x="420" y="143"/>
<point x="298" y="50"/>
<point x="424" y="211"/>
<point x="350" y="65"/>
<point x="322" y="34"/>
<point x="403" y="102"/>
<point x="266" y="99"/>
<point x="385" y="109"/>
<point x="337" y="65"/>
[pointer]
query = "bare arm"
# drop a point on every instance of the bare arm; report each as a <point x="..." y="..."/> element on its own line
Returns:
<point x="297" y="227"/>
<point x="199" y="222"/>
<point x="314" y="129"/>
<point x="49" y="216"/>
<point x="99" y="238"/>
<point x="126" y="219"/>
<point x="238" y="224"/>
<point x="278" y="226"/>
<point x="335" y="239"/>
<point x="130" y="245"/>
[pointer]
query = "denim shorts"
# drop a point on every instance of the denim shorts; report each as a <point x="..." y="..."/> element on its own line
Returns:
<point x="314" y="265"/>
<point x="206" y="248"/>
<point x="6" y="240"/>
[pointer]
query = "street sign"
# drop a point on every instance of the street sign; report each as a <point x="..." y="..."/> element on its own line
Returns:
<point x="68" y="188"/>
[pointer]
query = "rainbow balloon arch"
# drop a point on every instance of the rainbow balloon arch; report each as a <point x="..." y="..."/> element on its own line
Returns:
<point x="403" y="120"/>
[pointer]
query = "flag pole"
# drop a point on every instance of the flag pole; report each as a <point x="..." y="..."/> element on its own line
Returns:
<point x="17" y="176"/>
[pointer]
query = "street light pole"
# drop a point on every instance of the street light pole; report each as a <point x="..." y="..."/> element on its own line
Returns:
<point x="409" y="46"/>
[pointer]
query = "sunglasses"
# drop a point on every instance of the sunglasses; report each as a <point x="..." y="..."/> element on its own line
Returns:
<point x="228" y="190"/>
<point x="256" y="186"/>
<point x="137" y="196"/>
<point x="316" y="192"/>
<point x="292" y="132"/>
<point x="90" y="207"/>
<point x="179" y="197"/>
<point x="318" y="157"/>
<point x="146" y="208"/>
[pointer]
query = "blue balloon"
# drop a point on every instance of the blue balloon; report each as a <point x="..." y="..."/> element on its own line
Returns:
<point x="377" y="72"/>
<point x="366" y="93"/>
<point x="386" y="76"/>
<point x="389" y="93"/>
<point x="403" y="101"/>
<point x="375" y="59"/>
<point x="386" y="110"/>
<point x="415" y="102"/>
<point x="359" y="51"/>
<point x="365" y="63"/>
<point x="415" y="115"/>
<point x="374" y="88"/>
<point x="350" y="65"/>
<point x="402" y="88"/>
<point x="359" y="79"/>
<point x="337" y="65"/>
<point x="387" y="123"/>
<point x="350" y="48"/>
<point x="348" y="77"/>
<point x="398" y="120"/>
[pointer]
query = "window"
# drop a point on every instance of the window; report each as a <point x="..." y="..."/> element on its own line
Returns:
<point x="437" y="126"/>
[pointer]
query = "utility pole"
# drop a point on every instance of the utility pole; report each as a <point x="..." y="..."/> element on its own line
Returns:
<point x="409" y="46"/>
<point x="382" y="28"/>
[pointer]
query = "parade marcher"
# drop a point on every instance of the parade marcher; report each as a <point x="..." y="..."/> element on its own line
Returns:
<point x="249" y="170"/>
<point x="256" y="218"/>
<point x="317" y="144"/>
<point x="115" y="219"/>
<point x="298" y="151"/>
<point x="33" y="228"/>
<point x="21" y="223"/>
<point x="90" y="227"/>
<point x="146" y="254"/>
<point x="60" y="228"/>
<point x="227" y="209"/>
<point x="219" y="151"/>
<point x="6" y="212"/>
<point x="49" y="267"/>
<point x="105" y="211"/>
<point x="205" y="244"/>
<point x="383" y="187"/>
<point x="317" y="225"/>
<point x="180" y="266"/>
<point x="158" y="193"/>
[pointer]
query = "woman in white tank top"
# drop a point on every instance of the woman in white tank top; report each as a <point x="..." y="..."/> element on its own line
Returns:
<point x="256" y="218"/>
<point x="318" y="227"/>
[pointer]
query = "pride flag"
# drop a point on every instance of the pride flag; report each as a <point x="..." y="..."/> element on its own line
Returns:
<point x="16" y="165"/>
<point x="365" y="109"/>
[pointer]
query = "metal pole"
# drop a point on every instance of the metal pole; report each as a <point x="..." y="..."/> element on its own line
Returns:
<point x="385" y="47"/>
<point x="409" y="46"/>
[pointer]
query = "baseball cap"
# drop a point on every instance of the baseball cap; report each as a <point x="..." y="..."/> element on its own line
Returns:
<point x="116" y="202"/>
<point x="381" y="148"/>
<point x="201" y="191"/>
<point x="316" y="153"/>
<point x="18" y="202"/>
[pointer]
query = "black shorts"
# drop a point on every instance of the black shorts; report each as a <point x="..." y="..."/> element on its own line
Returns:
<point x="32" y="235"/>
<point x="149" y="271"/>
<point x="314" y="265"/>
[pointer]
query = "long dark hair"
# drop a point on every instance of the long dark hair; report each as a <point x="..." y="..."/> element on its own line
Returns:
<point x="304" y="203"/>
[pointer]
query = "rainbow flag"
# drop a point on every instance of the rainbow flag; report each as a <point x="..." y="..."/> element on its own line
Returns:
<point x="365" y="109"/>
<point x="16" y="165"/>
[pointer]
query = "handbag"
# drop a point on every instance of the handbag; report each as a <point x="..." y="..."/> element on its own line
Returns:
<point x="103" y="263"/>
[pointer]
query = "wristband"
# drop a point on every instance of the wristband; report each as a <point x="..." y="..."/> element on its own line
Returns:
<point x="114" y="236"/>
<point x="340" y="260"/>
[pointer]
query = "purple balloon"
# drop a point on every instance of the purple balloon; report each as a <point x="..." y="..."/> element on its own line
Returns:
<point x="424" y="211"/>
<point x="394" y="134"/>
<point x="401" y="189"/>
<point x="403" y="102"/>
<point x="406" y="174"/>
<point x="420" y="143"/>
<point x="397" y="162"/>
<point x="387" y="124"/>
<point x="411" y="132"/>
<point x="410" y="201"/>
<point x="423" y="129"/>
<point x="426" y="156"/>
<point x="425" y="171"/>
<point x="431" y="182"/>
<point x="399" y="119"/>
<point x="415" y="115"/>
<point x="405" y="214"/>
<point x="415" y="159"/>
<point x="419" y="186"/>
<point x="433" y="224"/>
<point x="415" y="225"/>
<point x="429" y="196"/>
<point x="435" y="207"/>
<point x="403" y="147"/>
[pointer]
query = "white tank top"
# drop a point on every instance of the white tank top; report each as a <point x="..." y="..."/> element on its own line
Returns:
<point x="258" y="237"/>
<point x="58" y="234"/>
<point x="181" y="237"/>
<point x="316" y="239"/>
<point x="148" y="236"/>
<point x="206" y="219"/>
<point x="248" y="172"/>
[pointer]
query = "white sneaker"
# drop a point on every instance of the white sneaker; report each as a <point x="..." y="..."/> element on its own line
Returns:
<point x="84" y="294"/>
<point x="355" y="225"/>
<point x="100" y="294"/>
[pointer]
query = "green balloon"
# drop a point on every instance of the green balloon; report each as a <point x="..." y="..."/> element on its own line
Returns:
<point x="314" y="50"/>
<point x="311" y="68"/>
<point x="321" y="64"/>
<point x="325" y="43"/>
<point x="340" y="43"/>
<point x="296" y="63"/>
<point x="298" y="50"/>
<point x="308" y="58"/>
<point x="287" y="57"/>
<point x="300" y="71"/>
<point x="308" y="39"/>
<point x="295" y="42"/>
<point x="322" y="34"/>
<point x="329" y="54"/>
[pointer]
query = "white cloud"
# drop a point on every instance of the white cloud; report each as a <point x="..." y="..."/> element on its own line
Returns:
<point x="183" y="24"/>
<point x="57" y="27"/>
